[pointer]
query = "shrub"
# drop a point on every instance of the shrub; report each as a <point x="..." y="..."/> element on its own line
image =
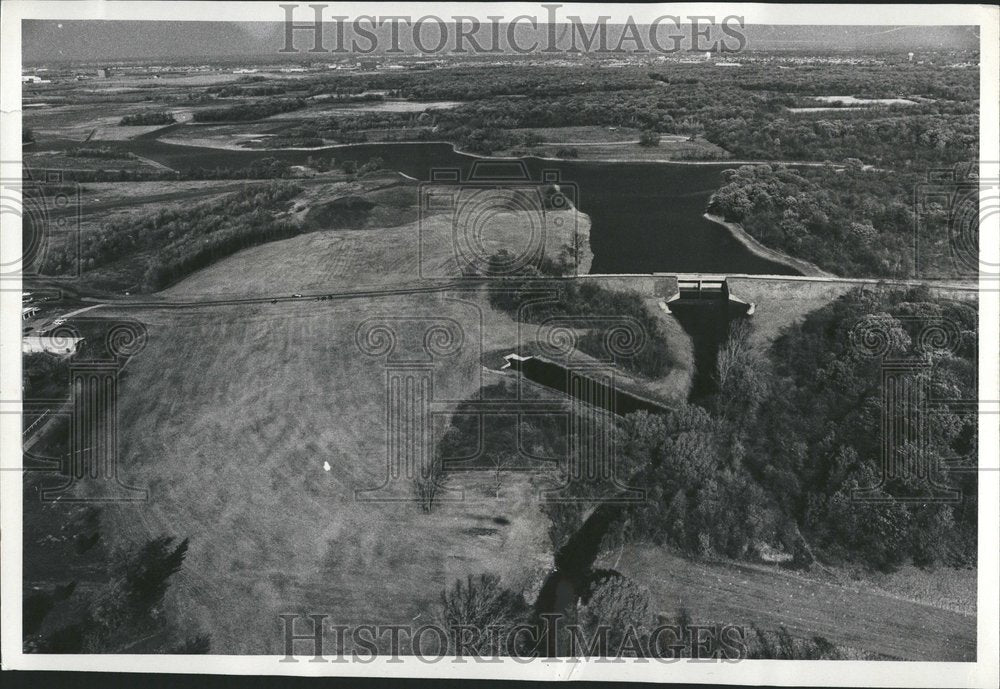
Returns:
<point x="621" y="607"/>
<point x="147" y="118"/>
<point x="649" y="138"/>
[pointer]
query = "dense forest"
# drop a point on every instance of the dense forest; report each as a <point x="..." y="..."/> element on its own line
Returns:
<point x="780" y="453"/>
<point x="817" y="435"/>
<point x="849" y="220"/>
<point x="244" y="112"/>
<point x="120" y="614"/>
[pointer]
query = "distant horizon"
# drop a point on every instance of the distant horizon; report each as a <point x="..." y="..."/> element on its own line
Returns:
<point x="84" y="41"/>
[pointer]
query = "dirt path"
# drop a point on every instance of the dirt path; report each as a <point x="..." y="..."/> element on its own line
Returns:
<point x="858" y="619"/>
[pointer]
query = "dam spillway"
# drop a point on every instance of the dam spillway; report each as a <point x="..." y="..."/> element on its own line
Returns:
<point x="593" y="387"/>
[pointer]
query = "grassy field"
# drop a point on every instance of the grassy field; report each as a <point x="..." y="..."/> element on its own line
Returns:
<point x="228" y="416"/>
<point x="853" y="617"/>
<point x="96" y="120"/>
<point x="230" y="413"/>
<point x="322" y="109"/>
<point x="227" y="136"/>
<point x="385" y="245"/>
<point x="60" y="161"/>
<point x="95" y="195"/>
<point x="782" y="303"/>
<point x="619" y="143"/>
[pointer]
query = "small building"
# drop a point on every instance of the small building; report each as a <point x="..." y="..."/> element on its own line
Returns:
<point x="103" y="72"/>
<point x="59" y="346"/>
<point x="30" y="79"/>
<point x="28" y="312"/>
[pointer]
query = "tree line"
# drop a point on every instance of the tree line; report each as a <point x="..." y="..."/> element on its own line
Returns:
<point x="245" y="112"/>
<point x="175" y="242"/>
<point x="147" y="118"/>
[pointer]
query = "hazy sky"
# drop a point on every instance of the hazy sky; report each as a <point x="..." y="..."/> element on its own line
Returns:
<point x="94" y="40"/>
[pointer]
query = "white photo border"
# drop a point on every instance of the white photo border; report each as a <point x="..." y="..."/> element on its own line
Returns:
<point x="982" y="673"/>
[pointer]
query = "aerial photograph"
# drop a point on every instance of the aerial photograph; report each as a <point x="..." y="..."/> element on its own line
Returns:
<point x="400" y="346"/>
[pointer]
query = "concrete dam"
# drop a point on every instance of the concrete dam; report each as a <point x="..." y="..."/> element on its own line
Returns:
<point x="704" y="306"/>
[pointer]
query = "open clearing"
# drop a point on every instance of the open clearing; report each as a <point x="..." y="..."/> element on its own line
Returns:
<point x="324" y="109"/>
<point x="617" y="143"/>
<point x="50" y="160"/>
<point x="852" y="100"/>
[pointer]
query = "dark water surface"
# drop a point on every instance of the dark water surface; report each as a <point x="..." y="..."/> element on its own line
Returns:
<point x="646" y="217"/>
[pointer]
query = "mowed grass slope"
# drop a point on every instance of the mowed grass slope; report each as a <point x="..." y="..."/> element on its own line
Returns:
<point x="227" y="418"/>
<point x="386" y="244"/>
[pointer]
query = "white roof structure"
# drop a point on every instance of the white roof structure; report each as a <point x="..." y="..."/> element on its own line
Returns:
<point x="62" y="346"/>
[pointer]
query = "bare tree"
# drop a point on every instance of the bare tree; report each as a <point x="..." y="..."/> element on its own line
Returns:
<point x="429" y="482"/>
<point x="500" y="461"/>
<point x="482" y="611"/>
<point x="734" y="353"/>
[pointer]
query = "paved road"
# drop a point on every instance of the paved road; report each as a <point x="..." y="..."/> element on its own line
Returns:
<point x="284" y="297"/>
<point x="41" y="330"/>
<point x="469" y="283"/>
<point x="958" y="284"/>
